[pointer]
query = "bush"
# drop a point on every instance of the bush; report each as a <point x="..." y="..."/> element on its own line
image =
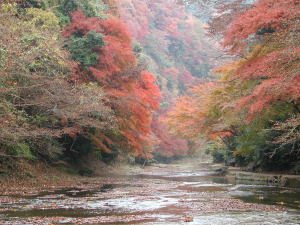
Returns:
<point x="90" y="8"/>
<point x="218" y="157"/>
<point x="20" y="150"/>
<point x="81" y="48"/>
<point x="47" y="149"/>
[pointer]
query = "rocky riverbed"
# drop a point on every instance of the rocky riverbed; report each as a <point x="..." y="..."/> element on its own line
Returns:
<point x="162" y="194"/>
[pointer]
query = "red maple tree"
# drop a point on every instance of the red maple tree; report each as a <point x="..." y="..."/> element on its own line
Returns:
<point x="131" y="91"/>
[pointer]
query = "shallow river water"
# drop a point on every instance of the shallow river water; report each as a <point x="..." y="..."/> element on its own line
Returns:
<point x="158" y="196"/>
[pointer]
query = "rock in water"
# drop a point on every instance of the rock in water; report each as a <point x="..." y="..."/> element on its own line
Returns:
<point x="188" y="219"/>
<point x="222" y="171"/>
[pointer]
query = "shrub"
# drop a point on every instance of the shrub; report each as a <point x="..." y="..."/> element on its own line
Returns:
<point x="82" y="48"/>
<point x="21" y="149"/>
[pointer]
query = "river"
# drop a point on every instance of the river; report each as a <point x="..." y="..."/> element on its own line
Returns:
<point x="156" y="195"/>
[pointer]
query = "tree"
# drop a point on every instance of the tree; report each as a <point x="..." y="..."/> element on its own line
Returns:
<point x="188" y="118"/>
<point x="130" y="90"/>
<point x="38" y="103"/>
<point x="271" y="65"/>
<point x="257" y="90"/>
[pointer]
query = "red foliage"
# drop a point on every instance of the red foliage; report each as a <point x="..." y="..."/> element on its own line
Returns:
<point x="274" y="63"/>
<point x="166" y="29"/>
<point x="187" y="79"/>
<point x="139" y="23"/>
<point x="116" y="55"/>
<point x="170" y="145"/>
<point x="132" y="93"/>
<point x="267" y="93"/>
<point x="166" y="24"/>
<point x="280" y="80"/>
<point x="266" y="14"/>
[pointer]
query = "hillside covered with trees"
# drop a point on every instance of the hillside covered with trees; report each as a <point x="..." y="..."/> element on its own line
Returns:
<point x="249" y="115"/>
<point x="71" y="84"/>
<point x="137" y="80"/>
<point x="149" y="112"/>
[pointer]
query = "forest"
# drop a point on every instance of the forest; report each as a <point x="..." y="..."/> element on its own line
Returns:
<point x="249" y="114"/>
<point x="149" y="112"/>
<point x="144" y="81"/>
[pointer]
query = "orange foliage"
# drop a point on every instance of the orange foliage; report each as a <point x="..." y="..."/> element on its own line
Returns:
<point x="100" y="144"/>
<point x="189" y="116"/>
<point x="131" y="91"/>
<point x="266" y="14"/>
<point x="273" y="65"/>
<point x="220" y="134"/>
<point x="169" y="145"/>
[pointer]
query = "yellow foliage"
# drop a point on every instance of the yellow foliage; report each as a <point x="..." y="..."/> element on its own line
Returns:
<point x="243" y="152"/>
<point x="44" y="19"/>
<point x="9" y="8"/>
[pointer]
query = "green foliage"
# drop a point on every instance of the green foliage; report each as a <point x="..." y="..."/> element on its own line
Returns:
<point x="82" y="48"/>
<point x="170" y="84"/>
<point x="249" y="140"/>
<point x="2" y="57"/>
<point x="86" y="172"/>
<point x="98" y="155"/>
<point x="217" y="153"/>
<point x="37" y="103"/>
<point x="39" y="40"/>
<point x="64" y="8"/>
<point x="70" y="6"/>
<point x="31" y="39"/>
<point x="90" y="8"/>
<point x="253" y="141"/>
<point x="137" y="48"/>
<point x="33" y="3"/>
<point x="20" y="150"/>
<point x="297" y="169"/>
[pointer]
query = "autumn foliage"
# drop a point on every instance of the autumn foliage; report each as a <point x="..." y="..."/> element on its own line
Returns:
<point x="191" y="116"/>
<point x="258" y="90"/>
<point x="266" y="16"/>
<point x="170" y="146"/>
<point x="171" y="40"/>
<point x="130" y="90"/>
<point x="74" y="79"/>
<point x="273" y="62"/>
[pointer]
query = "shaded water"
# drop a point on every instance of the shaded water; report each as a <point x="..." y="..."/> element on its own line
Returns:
<point x="158" y="196"/>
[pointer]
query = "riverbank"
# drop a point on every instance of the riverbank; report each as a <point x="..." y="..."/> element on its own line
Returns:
<point x="30" y="179"/>
<point x="281" y="180"/>
<point x="260" y="178"/>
